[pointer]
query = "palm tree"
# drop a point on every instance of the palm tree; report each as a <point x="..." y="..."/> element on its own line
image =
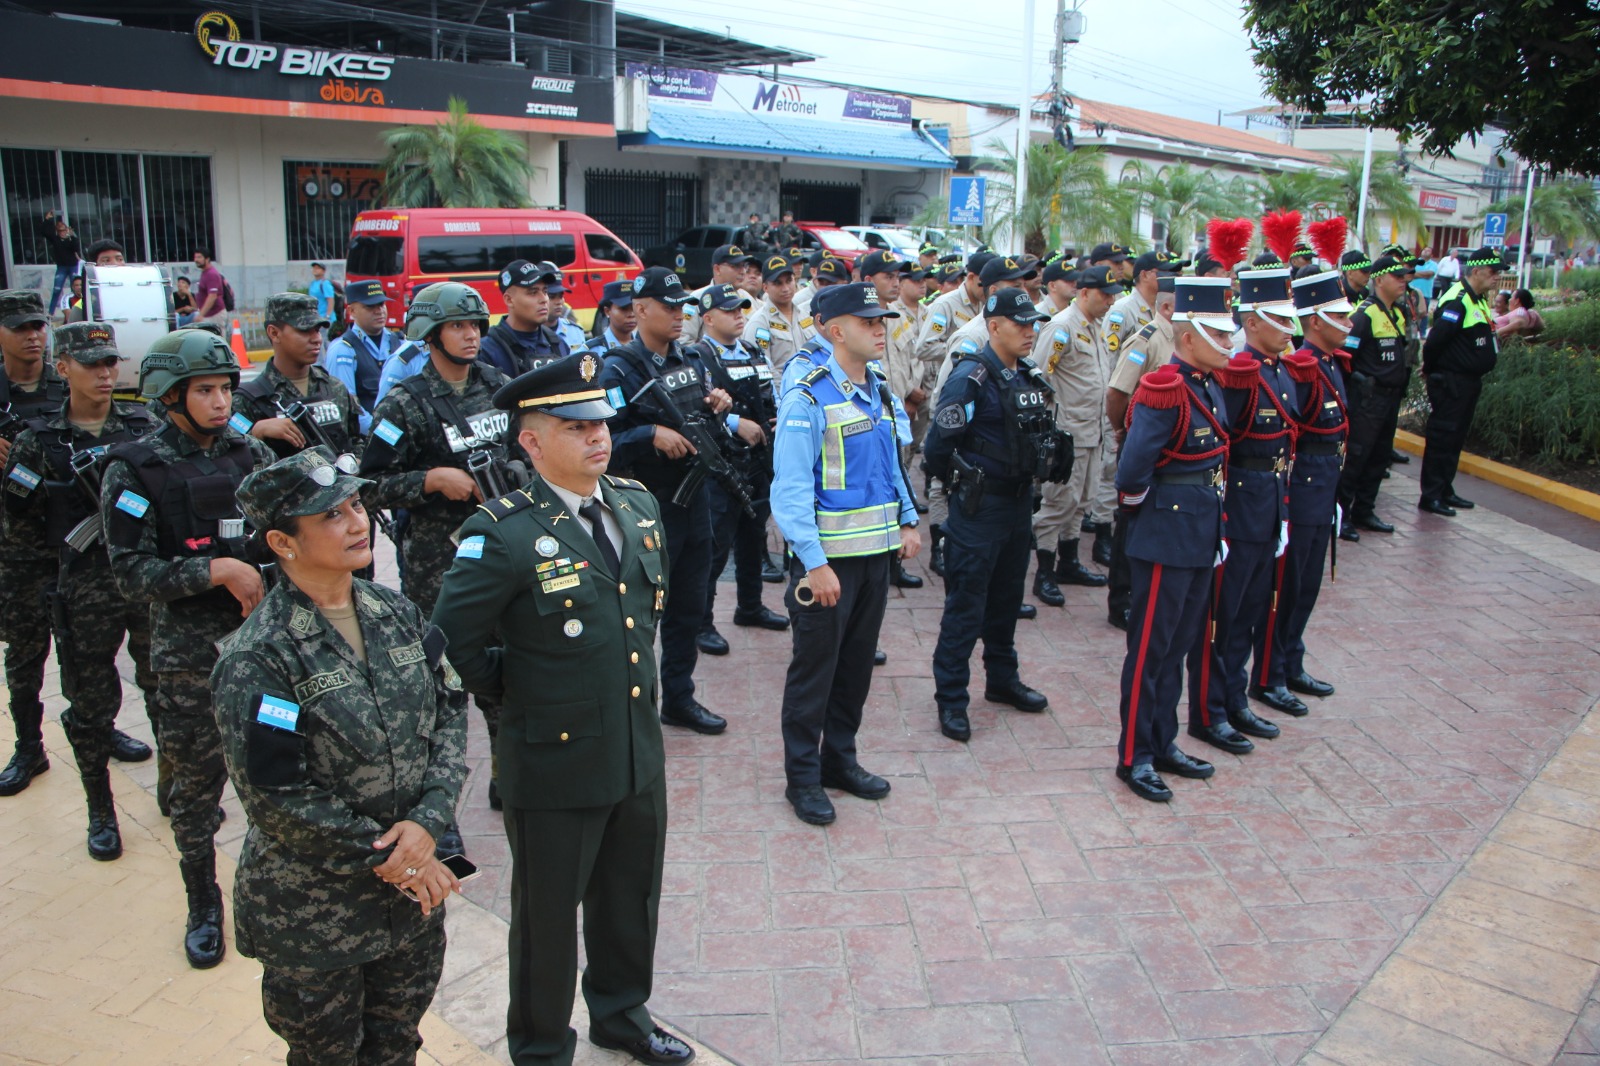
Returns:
<point x="1293" y="190"/>
<point x="1387" y="192"/>
<point x="458" y="162"/>
<point x="1182" y="198"/>
<point x="1069" y="197"/>
<point x="1566" y="210"/>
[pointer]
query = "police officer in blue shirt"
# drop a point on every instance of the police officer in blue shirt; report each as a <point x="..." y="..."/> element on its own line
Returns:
<point x="993" y="435"/>
<point x="522" y="341"/>
<point x="614" y="320"/>
<point x="358" y="357"/>
<point x="1170" y="483"/>
<point x="562" y="321"/>
<point x="659" y="456"/>
<point x="841" y="498"/>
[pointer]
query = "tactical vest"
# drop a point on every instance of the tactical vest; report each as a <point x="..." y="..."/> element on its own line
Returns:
<point x="16" y="406"/>
<point x="66" y="503"/>
<point x="463" y="434"/>
<point x="1032" y="441"/>
<point x="748" y="381"/>
<point x="324" y="411"/>
<point x="1386" y="362"/>
<point x="369" y="364"/>
<point x="527" y="358"/>
<point x="687" y="387"/>
<point x="193" y="496"/>
<point x="859" y="460"/>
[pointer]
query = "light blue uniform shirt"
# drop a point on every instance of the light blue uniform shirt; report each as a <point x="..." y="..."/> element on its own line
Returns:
<point x="805" y="360"/>
<point x="400" y="366"/>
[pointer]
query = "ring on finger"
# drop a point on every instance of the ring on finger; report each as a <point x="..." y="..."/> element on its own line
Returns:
<point x="411" y="871"/>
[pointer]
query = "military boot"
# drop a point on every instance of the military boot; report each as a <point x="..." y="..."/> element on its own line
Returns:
<point x="1044" y="579"/>
<point x="1102" y="544"/>
<point x="936" y="551"/>
<point x="202" y="937"/>
<point x="105" y="838"/>
<point x="1069" y="571"/>
<point x="27" y="763"/>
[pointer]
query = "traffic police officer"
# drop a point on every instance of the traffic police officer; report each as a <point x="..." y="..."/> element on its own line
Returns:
<point x="1377" y="384"/>
<point x="357" y="357"/>
<point x="1460" y="349"/>
<point x="523" y="339"/>
<point x="778" y="329"/>
<point x="746" y="376"/>
<point x="293" y="401"/>
<point x="176" y="540"/>
<point x="614" y="319"/>
<point x="1169" y="477"/>
<point x="51" y="497"/>
<point x="993" y="435"/>
<point x="348" y="750"/>
<point x="841" y="499"/>
<point x="643" y="445"/>
<point x="1354" y="271"/>
<point x="552" y="605"/>
<point x="1322" y="422"/>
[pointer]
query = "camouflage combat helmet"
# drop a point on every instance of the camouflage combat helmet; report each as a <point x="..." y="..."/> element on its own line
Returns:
<point x="441" y="302"/>
<point x="181" y="355"/>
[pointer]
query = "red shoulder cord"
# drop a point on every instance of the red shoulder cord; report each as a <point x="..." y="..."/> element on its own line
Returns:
<point x="1254" y="403"/>
<point x="1317" y="393"/>
<point x="1169" y="453"/>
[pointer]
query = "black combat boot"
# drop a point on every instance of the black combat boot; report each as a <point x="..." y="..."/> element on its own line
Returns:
<point x="105" y="838"/>
<point x="936" y="552"/>
<point x="1069" y="571"/>
<point x="1044" y="579"/>
<point x="202" y="937"/>
<point x="27" y="762"/>
<point x="1102" y="544"/>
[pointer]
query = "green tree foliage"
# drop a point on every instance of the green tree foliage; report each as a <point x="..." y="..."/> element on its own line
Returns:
<point x="1294" y="190"/>
<point x="1566" y="210"/>
<point x="1069" y="200"/>
<point x="457" y="162"/>
<point x="1387" y="192"/>
<point x="1442" y="70"/>
<point x="1183" y="198"/>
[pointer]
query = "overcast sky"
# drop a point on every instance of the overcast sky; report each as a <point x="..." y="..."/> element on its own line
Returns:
<point x="1179" y="57"/>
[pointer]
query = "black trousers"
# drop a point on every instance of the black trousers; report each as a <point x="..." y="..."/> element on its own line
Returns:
<point x="831" y="670"/>
<point x="1454" y="398"/>
<point x="985" y="569"/>
<point x="733" y="532"/>
<point x="689" y="558"/>
<point x="1281" y="650"/>
<point x="1119" y="583"/>
<point x="1374" y="416"/>
<point x="609" y="860"/>
<point x="1169" y="605"/>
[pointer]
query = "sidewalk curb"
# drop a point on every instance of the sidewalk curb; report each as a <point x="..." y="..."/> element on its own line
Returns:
<point x="1563" y="496"/>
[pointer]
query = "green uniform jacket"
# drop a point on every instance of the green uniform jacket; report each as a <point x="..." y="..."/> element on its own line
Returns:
<point x="579" y="725"/>
<point x="374" y="743"/>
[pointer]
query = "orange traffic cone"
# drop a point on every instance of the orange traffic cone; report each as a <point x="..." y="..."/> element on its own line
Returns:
<point x="236" y="342"/>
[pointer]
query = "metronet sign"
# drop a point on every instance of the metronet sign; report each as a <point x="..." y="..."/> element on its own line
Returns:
<point x="791" y="100"/>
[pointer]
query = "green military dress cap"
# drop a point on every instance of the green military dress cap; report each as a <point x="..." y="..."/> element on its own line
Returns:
<point x="18" y="307"/>
<point x="565" y="388"/>
<point x="295" y="309"/>
<point x="87" y="342"/>
<point x="308" y="482"/>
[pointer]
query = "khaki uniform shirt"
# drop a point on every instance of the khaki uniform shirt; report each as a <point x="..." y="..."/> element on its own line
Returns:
<point x="777" y="337"/>
<point x="1073" y="353"/>
<point x="1127" y="316"/>
<point x="948" y="313"/>
<point x="905" y="373"/>
<point x="1149" y="349"/>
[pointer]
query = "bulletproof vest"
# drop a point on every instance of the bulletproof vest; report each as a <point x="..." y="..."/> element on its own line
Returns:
<point x="66" y="502"/>
<point x="16" y="406"/>
<point x="369" y="367"/>
<point x="1383" y="353"/>
<point x="546" y="349"/>
<point x="194" y="496"/>
<point x="1026" y="412"/>
<point x="324" y="411"/>
<point x="748" y="380"/>
<point x="464" y="433"/>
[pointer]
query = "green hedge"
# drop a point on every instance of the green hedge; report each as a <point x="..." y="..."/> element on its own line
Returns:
<point x="1543" y="399"/>
<point x="1577" y="325"/>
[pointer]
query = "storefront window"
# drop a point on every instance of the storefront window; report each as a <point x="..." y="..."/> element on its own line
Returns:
<point x="321" y="204"/>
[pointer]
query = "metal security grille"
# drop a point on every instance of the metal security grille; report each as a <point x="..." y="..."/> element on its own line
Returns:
<point x="818" y="201"/>
<point x="158" y="207"/>
<point x="321" y="201"/>
<point x="642" y="208"/>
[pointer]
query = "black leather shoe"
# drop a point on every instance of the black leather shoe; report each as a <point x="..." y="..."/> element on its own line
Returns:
<point x="771" y="572"/>
<point x="710" y="642"/>
<point x="1176" y="762"/>
<point x="693" y="716"/>
<point x="659" y="1047"/>
<point x="1280" y="699"/>
<point x="900" y="579"/>
<point x="1044" y="580"/>
<point x="27" y="763"/>
<point x="1224" y="736"/>
<point x="954" y="724"/>
<point x="1373" y="523"/>
<point x="1458" y="503"/>
<point x="126" y="749"/>
<point x="1247" y="722"/>
<point x="495" y="802"/>
<point x="1069" y="571"/>
<point x="1145" y="782"/>
<point x="1014" y="693"/>
<point x="1348" y="532"/>
<point x="1438" y="507"/>
<point x="1307" y="685"/>
<point x="449" y="843"/>
<point x="879" y="657"/>
<point x="1118" y="617"/>
<point x="811" y="804"/>
<point x="1398" y="456"/>
<point x="1027" y="612"/>
<point x="936" y="549"/>
<point x="761" y="618"/>
<point x="856" y="781"/>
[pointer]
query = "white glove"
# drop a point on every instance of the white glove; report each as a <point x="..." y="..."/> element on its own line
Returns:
<point x="1222" y="553"/>
<point x="1338" y="519"/>
<point x="1283" y="540"/>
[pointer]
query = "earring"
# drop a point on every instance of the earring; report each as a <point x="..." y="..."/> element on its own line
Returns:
<point x="288" y="555"/>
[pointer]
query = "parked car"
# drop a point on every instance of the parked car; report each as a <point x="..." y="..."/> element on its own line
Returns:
<point x="901" y="242"/>
<point x="843" y="245"/>
<point x="406" y="248"/>
<point x="689" y="253"/>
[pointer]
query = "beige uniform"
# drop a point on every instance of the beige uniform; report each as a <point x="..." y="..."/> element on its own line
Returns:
<point x="692" y="326"/>
<point x="1047" y="305"/>
<point x="1149" y="349"/>
<point x="803" y="297"/>
<point x="1072" y="350"/>
<point x="1127" y="317"/>
<point x="943" y="318"/>
<point x="778" y="337"/>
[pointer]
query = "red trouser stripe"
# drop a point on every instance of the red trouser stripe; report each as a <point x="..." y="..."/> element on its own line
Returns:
<point x="1138" y="662"/>
<point x="1211" y="642"/>
<point x="1272" y="620"/>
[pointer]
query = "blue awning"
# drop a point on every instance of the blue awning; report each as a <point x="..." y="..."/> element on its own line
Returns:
<point x="881" y="144"/>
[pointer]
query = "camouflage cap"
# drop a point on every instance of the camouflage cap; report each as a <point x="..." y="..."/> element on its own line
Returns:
<point x="87" y="342"/>
<point x="293" y="309"/>
<point x="18" y="307"/>
<point x="308" y="482"/>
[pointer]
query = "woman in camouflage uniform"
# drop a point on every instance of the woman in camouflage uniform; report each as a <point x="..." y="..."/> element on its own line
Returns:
<point x="345" y="740"/>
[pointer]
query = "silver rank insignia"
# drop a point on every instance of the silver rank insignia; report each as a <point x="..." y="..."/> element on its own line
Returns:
<point x="546" y="546"/>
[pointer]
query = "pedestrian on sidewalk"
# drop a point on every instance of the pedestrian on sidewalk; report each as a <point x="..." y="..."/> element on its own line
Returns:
<point x="345" y="735"/>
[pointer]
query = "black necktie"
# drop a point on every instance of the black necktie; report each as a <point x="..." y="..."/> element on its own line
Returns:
<point x="597" y="528"/>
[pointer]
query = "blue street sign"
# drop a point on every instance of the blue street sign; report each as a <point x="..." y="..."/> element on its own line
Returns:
<point x="1494" y="242"/>
<point x="966" y="201"/>
<point x="1494" y="225"/>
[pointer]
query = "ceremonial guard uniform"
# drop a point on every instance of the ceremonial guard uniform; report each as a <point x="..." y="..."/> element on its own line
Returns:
<point x="552" y="606"/>
<point x="1460" y="349"/>
<point x="993" y="436"/>
<point x="325" y="403"/>
<point x="1170" y="476"/>
<point x="357" y="358"/>
<point x="1377" y="385"/>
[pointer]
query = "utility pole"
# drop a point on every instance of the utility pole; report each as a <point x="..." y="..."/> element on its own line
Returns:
<point x="1019" y="187"/>
<point x="1527" y="229"/>
<point x="1361" y="204"/>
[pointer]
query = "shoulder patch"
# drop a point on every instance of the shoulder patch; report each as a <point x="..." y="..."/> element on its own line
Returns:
<point x="1113" y="341"/>
<point x="132" y="503"/>
<point x="470" y="548"/>
<point x="388" y="432"/>
<point x="966" y="346"/>
<point x="25" y="477"/>
<point x="1451" y="315"/>
<point x="814" y="376"/>
<point x="952" y="416"/>
<point x="1147" y="332"/>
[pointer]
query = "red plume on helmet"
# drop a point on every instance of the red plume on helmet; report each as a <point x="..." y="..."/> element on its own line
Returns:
<point x="1328" y="237"/>
<point x="1281" y="229"/>
<point x="1227" y="240"/>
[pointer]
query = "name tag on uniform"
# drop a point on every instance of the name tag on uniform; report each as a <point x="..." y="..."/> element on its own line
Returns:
<point x="411" y="653"/>
<point x="764" y="372"/>
<point x="1202" y="431"/>
<point x="851" y="429"/>
<point x="1331" y="405"/>
<point x="739" y="373"/>
<point x="556" y="584"/>
<point x="278" y="713"/>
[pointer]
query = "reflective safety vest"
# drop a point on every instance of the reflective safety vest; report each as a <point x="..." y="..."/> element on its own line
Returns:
<point x="857" y="505"/>
<point x="1478" y="311"/>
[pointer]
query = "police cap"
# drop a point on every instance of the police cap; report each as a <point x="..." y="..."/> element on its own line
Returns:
<point x="1003" y="268"/>
<point x="724" y="298"/>
<point x="855" y="298"/>
<point x="730" y="253"/>
<point x="775" y="267"/>
<point x="1114" y="253"/>
<point x="522" y="272"/>
<point x="1100" y="277"/>
<point x="881" y="262"/>
<point x="565" y="388"/>
<point x="368" y="293"/>
<point x="659" y="283"/>
<point x="1013" y="304"/>
<point x="831" y="271"/>
<point x="616" y="294"/>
